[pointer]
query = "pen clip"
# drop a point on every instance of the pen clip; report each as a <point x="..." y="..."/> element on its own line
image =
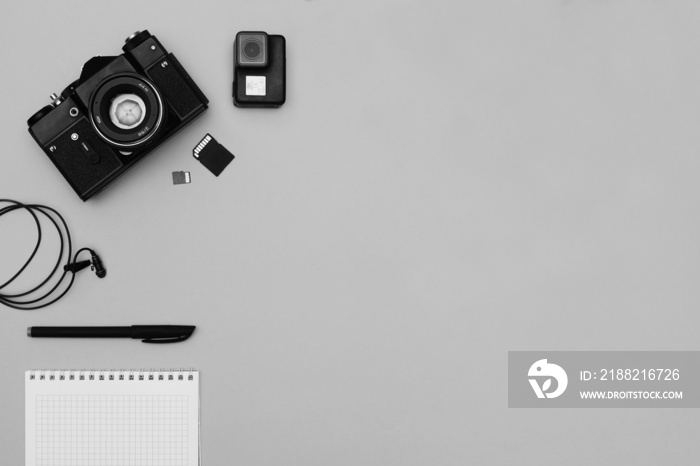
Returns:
<point x="166" y="339"/>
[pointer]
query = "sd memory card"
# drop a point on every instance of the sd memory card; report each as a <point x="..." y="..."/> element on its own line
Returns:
<point x="212" y="155"/>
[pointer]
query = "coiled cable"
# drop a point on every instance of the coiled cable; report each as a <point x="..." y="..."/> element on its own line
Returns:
<point x="45" y="293"/>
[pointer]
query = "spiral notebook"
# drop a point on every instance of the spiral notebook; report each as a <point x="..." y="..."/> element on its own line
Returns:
<point x="112" y="418"/>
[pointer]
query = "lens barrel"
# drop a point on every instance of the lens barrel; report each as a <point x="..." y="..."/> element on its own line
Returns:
<point x="115" y="87"/>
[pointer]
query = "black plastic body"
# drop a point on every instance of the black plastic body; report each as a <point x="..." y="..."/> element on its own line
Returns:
<point x="67" y="132"/>
<point x="275" y="74"/>
<point x="100" y="270"/>
<point x="149" y="333"/>
<point x="81" y="332"/>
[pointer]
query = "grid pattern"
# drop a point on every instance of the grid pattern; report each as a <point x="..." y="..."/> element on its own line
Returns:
<point x="111" y="430"/>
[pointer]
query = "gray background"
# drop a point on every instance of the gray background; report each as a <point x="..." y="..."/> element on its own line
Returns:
<point x="447" y="181"/>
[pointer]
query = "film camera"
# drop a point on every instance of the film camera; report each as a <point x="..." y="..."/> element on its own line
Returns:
<point x="116" y="113"/>
<point x="259" y="70"/>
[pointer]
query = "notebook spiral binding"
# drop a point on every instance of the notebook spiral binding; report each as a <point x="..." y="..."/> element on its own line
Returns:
<point x="117" y="374"/>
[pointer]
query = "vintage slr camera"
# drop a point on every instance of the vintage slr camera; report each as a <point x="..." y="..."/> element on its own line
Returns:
<point x="259" y="70"/>
<point x="116" y="113"/>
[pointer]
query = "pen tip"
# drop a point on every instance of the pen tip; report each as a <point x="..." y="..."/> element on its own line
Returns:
<point x="29" y="331"/>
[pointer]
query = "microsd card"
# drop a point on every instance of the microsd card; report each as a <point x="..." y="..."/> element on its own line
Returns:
<point x="213" y="155"/>
<point x="181" y="177"/>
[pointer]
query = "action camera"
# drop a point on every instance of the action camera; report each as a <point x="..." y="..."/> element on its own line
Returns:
<point x="116" y="113"/>
<point x="259" y="70"/>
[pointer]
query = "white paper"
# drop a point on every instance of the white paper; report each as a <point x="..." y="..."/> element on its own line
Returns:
<point x="124" y="418"/>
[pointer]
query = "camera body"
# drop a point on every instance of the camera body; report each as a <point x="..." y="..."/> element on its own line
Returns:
<point x="116" y="113"/>
<point x="259" y="70"/>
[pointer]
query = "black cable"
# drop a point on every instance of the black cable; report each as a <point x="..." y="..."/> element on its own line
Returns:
<point x="43" y="298"/>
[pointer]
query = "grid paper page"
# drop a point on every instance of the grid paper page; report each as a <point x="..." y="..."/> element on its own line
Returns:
<point x="111" y="418"/>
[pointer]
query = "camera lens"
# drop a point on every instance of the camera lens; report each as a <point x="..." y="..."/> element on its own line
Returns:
<point x="126" y="110"/>
<point x="252" y="49"/>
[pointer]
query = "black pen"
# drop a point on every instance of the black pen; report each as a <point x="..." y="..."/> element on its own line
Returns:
<point x="149" y="333"/>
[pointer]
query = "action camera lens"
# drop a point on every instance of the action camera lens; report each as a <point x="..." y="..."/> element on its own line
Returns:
<point x="252" y="49"/>
<point x="127" y="111"/>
